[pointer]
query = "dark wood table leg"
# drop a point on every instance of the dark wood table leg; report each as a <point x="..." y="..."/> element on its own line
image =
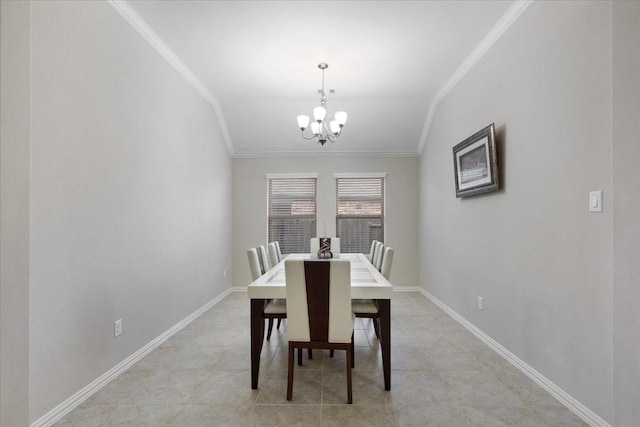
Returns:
<point x="384" y="308"/>
<point x="257" y="337"/>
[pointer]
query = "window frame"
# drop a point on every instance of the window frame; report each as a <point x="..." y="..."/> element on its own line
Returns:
<point x="345" y="243"/>
<point x="301" y="245"/>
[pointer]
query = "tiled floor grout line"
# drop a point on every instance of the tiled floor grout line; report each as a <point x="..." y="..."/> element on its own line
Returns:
<point x="441" y="375"/>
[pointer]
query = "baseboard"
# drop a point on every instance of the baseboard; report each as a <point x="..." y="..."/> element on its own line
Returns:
<point x="406" y="288"/>
<point x="74" y="401"/>
<point x="563" y="397"/>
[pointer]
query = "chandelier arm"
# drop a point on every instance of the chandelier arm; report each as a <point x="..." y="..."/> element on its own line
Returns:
<point x="311" y="137"/>
<point x="331" y="134"/>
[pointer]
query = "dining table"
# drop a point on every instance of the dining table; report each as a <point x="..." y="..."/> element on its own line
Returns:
<point x="366" y="283"/>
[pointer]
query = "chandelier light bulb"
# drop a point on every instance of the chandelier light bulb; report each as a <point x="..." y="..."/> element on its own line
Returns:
<point x="303" y="122"/>
<point x="319" y="113"/>
<point x="315" y="128"/>
<point x="341" y="118"/>
<point x="335" y="127"/>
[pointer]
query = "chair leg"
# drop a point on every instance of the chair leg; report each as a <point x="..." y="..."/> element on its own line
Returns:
<point x="353" y="354"/>
<point x="278" y="325"/>
<point x="290" y="372"/>
<point x="349" y="362"/>
<point x="270" y="328"/>
<point x="309" y="354"/>
<point x="376" y="327"/>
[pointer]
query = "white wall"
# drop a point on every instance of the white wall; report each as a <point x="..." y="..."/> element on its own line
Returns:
<point x="127" y="159"/>
<point x="14" y="213"/>
<point x="401" y="217"/>
<point x="541" y="261"/>
<point x="130" y="197"/>
<point x="626" y="181"/>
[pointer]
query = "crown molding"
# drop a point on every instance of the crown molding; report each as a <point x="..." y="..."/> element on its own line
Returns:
<point x="287" y="154"/>
<point x="136" y="21"/>
<point x="158" y="44"/>
<point x="485" y="44"/>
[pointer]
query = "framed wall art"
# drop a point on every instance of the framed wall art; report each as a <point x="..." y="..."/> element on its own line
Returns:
<point x="475" y="163"/>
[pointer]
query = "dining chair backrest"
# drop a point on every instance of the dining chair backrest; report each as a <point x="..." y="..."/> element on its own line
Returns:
<point x="265" y="258"/>
<point x="372" y="250"/>
<point x="255" y="263"/>
<point x="335" y="247"/>
<point x="378" y="263"/>
<point x="279" y="251"/>
<point x="377" y="254"/>
<point x="314" y="246"/>
<point x="319" y="300"/>
<point x="387" y="260"/>
<point x="273" y="253"/>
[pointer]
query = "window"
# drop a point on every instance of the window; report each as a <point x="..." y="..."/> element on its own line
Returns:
<point x="292" y="211"/>
<point x="359" y="211"/>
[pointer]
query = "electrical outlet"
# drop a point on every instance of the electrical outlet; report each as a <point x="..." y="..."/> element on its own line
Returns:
<point x="480" y="303"/>
<point x="117" y="328"/>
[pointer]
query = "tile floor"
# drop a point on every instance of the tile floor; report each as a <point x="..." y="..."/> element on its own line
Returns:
<point x="441" y="376"/>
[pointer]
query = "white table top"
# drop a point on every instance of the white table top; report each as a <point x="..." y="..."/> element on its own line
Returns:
<point x="366" y="281"/>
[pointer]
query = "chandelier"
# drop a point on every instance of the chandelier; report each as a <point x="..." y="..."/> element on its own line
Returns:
<point x="319" y="129"/>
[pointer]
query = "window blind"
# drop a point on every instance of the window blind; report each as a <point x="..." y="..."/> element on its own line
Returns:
<point x="359" y="213"/>
<point x="292" y="213"/>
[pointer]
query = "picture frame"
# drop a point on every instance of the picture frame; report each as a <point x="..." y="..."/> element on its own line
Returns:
<point x="475" y="163"/>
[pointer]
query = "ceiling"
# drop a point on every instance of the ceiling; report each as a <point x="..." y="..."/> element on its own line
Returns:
<point x="257" y="61"/>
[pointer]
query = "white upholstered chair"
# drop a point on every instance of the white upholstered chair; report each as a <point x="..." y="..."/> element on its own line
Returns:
<point x="280" y="258"/>
<point x="319" y="301"/>
<point x="335" y="247"/>
<point x="275" y="308"/>
<point x="367" y="308"/>
<point x="377" y="252"/>
<point x="387" y="260"/>
<point x="273" y="253"/>
<point x="372" y="250"/>
<point x="377" y="262"/>
<point x="315" y="247"/>
<point x="256" y="263"/>
<point x="265" y="258"/>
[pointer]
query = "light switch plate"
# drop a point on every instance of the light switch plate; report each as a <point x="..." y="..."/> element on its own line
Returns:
<point x="595" y="201"/>
<point x="117" y="328"/>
